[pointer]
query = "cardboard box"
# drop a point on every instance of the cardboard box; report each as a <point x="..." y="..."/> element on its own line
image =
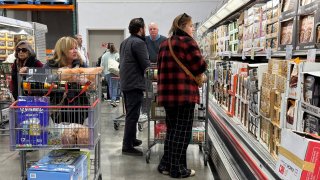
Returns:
<point x="31" y="123"/>
<point x="254" y="125"/>
<point x="287" y="33"/>
<point x="292" y="114"/>
<point x="298" y="157"/>
<point x="265" y="132"/>
<point x="60" y="165"/>
<point x="275" y="141"/>
<point x="289" y="8"/>
<point x="308" y="26"/>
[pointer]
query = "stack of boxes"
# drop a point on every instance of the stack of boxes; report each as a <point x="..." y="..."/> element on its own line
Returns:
<point x="254" y="84"/>
<point x="233" y="37"/>
<point x="288" y="24"/>
<point x="272" y="25"/>
<point x="6" y="44"/>
<point x="242" y="94"/>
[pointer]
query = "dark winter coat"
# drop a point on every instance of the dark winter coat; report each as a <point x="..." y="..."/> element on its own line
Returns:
<point x="133" y="63"/>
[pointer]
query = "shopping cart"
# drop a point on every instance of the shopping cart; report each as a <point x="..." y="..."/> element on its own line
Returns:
<point x="63" y="114"/>
<point x="116" y="122"/>
<point x="5" y="97"/>
<point x="156" y="117"/>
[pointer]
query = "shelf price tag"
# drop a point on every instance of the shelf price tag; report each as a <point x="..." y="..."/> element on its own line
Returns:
<point x="268" y="53"/>
<point x="252" y="54"/>
<point x="229" y="54"/>
<point x="311" y="56"/>
<point x="289" y="52"/>
<point x="243" y="55"/>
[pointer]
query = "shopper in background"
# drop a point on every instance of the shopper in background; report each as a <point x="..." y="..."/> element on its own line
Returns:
<point x="133" y="62"/>
<point x="105" y="95"/>
<point x="66" y="55"/>
<point x="153" y="41"/>
<point x="24" y="57"/>
<point x="111" y="78"/>
<point x="178" y="93"/>
<point x="82" y="50"/>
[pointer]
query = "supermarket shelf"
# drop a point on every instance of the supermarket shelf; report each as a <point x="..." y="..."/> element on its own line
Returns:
<point x="33" y="7"/>
<point x="264" y="54"/>
<point x="257" y="160"/>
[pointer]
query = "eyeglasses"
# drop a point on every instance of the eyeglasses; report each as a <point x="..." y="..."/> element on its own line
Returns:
<point x="22" y="49"/>
<point x="183" y="15"/>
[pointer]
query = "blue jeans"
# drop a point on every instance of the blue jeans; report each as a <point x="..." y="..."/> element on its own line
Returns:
<point x="113" y="85"/>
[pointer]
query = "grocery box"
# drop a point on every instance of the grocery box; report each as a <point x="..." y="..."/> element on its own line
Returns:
<point x="299" y="156"/>
<point x="62" y="165"/>
<point x="289" y="8"/>
<point x="254" y="125"/>
<point x="160" y="131"/>
<point x="292" y="114"/>
<point x="287" y="33"/>
<point x="31" y="123"/>
<point x="307" y="26"/>
<point x="275" y="141"/>
<point x="265" y="132"/>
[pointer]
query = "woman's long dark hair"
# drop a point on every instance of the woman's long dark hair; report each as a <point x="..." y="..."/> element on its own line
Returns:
<point x="113" y="48"/>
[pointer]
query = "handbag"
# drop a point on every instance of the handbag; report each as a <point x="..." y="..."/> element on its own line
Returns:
<point x="200" y="79"/>
<point x="113" y="67"/>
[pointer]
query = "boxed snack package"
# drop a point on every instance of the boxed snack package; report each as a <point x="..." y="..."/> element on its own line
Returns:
<point x="289" y="8"/>
<point x="61" y="165"/>
<point x="31" y="123"/>
<point x="287" y="33"/>
<point x="299" y="156"/>
<point x="2" y="36"/>
<point x="160" y="131"/>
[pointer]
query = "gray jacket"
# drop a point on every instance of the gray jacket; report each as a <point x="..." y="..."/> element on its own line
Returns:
<point x="133" y="63"/>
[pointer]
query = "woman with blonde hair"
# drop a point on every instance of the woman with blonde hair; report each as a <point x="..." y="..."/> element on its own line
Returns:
<point x="66" y="54"/>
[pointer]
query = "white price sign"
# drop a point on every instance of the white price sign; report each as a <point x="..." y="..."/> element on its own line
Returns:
<point x="311" y="56"/>
<point x="289" y="52"/>
<point x="269" y="53"/>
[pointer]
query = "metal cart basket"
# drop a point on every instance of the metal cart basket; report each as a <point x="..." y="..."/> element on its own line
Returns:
<point x="156" y="117"/>
<point x="64" y="113"/>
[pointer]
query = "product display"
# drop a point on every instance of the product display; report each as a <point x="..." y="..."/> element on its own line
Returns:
<point x="306" y="29"/>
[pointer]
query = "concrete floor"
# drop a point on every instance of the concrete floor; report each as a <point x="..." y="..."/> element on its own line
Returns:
<point x="115" y="166"/>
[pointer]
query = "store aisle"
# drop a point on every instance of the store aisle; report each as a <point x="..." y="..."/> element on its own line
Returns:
<point x="114" y="165"/>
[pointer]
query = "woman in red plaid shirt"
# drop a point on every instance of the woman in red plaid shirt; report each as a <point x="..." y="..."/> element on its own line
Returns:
<point x="179" y="93"/>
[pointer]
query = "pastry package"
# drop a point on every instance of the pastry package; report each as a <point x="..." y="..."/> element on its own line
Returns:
<point x="311" y="124"/>
<point x="306" y="29"/>
<point x="286" y="32"/>
<point x="288" y="5"/>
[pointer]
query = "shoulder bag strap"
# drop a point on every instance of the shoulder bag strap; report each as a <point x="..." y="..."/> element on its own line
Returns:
<point x="186" y="70"/>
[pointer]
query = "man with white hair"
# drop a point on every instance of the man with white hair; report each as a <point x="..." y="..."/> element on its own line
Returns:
<point x="82" y="50"/>
<point x="153" y="41"/>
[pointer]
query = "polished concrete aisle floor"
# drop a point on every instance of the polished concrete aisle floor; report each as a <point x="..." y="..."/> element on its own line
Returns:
<point x="115" y="166"/>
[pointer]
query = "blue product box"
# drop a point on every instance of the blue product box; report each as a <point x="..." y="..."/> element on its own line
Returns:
<point x="60" y="165"/>
<point x="31" y="122"/>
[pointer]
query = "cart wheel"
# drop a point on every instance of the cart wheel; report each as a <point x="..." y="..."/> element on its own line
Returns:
<point x="200" y="147"/>
<point x="205" y="159"/>
<point x="116" y="126"/>
<point x="140" y="127"/>
<point x="100" y="177"/>
<point x="148" y="156"/>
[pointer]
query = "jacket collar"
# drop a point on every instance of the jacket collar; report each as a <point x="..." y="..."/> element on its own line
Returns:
<point x="140" y="37"/>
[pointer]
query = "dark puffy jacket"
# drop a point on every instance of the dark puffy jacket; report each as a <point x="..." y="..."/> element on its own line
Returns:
<point x="133" y="62"/>
<point x="31" y="62"/>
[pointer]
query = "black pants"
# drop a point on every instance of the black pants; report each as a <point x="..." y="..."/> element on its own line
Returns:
<point x="179" y="122"/>
<point x="133" y="101"/>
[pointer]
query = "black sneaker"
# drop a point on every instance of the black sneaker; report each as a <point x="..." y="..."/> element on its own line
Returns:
<point x="137" y="142"/>
<point x="132" y="152"/>
<point x="163" y="170"/>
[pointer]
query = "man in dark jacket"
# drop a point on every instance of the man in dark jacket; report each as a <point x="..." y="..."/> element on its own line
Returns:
<point x="133" y="62"/>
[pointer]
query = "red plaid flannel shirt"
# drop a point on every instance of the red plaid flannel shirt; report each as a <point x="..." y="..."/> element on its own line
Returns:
<point x="175" y="87"/>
